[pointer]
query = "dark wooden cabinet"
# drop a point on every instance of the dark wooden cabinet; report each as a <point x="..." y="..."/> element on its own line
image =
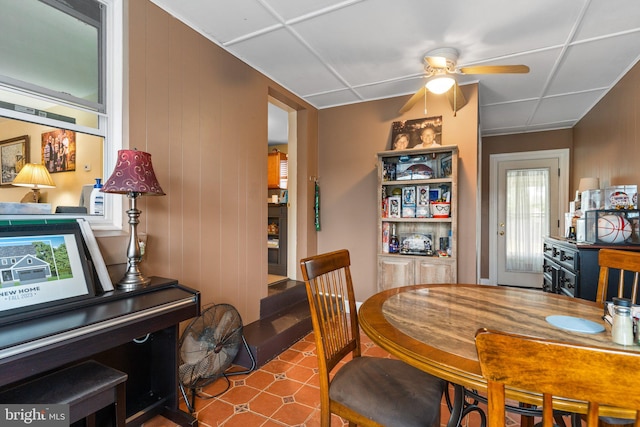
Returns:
<point x="572" y="268"/>
<point x="277" y="239"/>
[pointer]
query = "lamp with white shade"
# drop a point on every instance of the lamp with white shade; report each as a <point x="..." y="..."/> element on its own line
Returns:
<point x="589" y="183"/>
<point x="34" y="176"/>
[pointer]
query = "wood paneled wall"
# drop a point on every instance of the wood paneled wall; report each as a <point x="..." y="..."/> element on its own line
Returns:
<point x="202" y="114"/>
<point x="607" y="140"/>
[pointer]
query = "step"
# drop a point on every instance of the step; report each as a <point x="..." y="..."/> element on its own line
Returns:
<point x="270" y="336"/>
<point x="281" y="295"/>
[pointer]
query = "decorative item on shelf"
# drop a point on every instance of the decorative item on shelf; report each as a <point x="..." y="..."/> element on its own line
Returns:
<point x="612" y="226"/>
<point x="394" y="242"/>
<point x="408" y="202"/>
<point x="272" y="228"/>
<point x="417" y="244"/>
<point x="441" y="209"/>
<point x="621" y="197"/>
<point x="414" y="169"/>
<point x="394" y="206"/>
<point x="34" y="176"/>
<point x="592" y="199"/>
<point x="133" y="176"/>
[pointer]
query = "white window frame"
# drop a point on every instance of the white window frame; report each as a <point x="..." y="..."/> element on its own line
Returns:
<point x="113" y="132"/>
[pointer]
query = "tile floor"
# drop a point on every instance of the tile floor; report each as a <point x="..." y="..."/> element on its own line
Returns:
<point x="283" y="392"/>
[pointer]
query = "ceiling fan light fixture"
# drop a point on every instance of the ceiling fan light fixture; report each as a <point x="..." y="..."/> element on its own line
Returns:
<point x="440" y="84"/>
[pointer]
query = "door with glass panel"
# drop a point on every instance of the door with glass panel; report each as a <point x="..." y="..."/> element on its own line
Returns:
<point x="527" y="211"/>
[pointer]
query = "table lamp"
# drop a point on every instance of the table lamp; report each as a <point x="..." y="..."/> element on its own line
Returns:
<point x="35" y="177"/>
<point x="589" y="183"/>
<point x="133" y="176"/>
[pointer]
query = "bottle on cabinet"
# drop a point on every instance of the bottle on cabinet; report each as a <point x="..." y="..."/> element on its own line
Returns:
<point x="96" y="200"/>
<point x="394" y="242"/>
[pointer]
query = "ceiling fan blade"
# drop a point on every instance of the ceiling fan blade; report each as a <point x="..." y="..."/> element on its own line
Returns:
<point x="411" y="102"/>
<point x="495" y="69"/>
<point x="456" y="98"/>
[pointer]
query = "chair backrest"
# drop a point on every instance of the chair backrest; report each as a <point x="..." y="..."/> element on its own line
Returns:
<point x="333" y="310"/>
<point x="596" y="375"/>
<point x="623" y="261"/>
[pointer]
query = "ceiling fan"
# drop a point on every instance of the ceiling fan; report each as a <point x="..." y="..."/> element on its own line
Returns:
<point x="440" y="70"/>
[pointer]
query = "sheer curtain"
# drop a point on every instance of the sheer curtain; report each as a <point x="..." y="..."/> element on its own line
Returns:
<point x="527" y="219"/>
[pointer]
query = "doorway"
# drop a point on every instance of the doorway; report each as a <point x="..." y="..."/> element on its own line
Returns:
<point x="281" y="247"/>
<point x="528" y="196"/>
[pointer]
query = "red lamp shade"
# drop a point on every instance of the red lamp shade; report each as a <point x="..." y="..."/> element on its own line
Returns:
<point x="133" y="174"/>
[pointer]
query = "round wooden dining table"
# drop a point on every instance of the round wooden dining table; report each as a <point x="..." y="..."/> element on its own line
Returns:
<point x="433" y="327"/>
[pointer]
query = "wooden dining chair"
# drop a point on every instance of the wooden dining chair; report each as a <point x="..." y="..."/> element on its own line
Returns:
<point x="627" y="263"/>
<point x="366" y="391"/>
<point x="598" y="376"/>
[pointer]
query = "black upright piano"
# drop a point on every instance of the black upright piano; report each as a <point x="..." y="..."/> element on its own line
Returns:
<point x="133" y="331"/>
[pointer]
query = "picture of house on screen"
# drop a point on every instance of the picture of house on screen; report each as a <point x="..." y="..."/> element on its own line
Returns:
<point x="33" y="259"/>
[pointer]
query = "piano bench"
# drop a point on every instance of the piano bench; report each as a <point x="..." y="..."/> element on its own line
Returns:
<point x="86" y="387"/>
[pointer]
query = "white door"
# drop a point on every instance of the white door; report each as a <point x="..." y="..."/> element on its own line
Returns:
<point x="527" y="199"/>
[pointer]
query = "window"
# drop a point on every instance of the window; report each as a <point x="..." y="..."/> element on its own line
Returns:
<point x="62" y="69"/>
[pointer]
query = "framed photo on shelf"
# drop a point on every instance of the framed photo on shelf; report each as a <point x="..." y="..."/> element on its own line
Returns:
<point x="14" y="154"/>
<point x="394" y="206"/>
<point x="408" y="196"/>
<point x="42" y="265"/>
<point x="422" y="133"/>
<point x="445" y="166"/>
<point x="422" y="195"/>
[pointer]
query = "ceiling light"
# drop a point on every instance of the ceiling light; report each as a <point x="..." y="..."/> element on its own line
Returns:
<point x="440" y="84"/>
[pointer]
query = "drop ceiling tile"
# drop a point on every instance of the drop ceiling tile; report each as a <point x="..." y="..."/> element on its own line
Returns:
<point x="497" y="88"/>
<point x="566" y="107"/>
<point x="604" y="17"/>
<point x="283" y="58"/>
<point x="506" y="115"/>
<point x="597" y="64"/>
<point x="381" y="90"/>
<point x="222" y="20"/>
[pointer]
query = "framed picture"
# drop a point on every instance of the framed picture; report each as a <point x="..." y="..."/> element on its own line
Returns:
<point x="418" y="133"/>
<point x="422" y="195"/>
<point x="394" y="206"/>
<point x="445" y="165"/>
<point x="59" y="150"/>
<point x="42" y="265"/>
<point x="14" y="154"/>
<point x="408" y="196"/>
